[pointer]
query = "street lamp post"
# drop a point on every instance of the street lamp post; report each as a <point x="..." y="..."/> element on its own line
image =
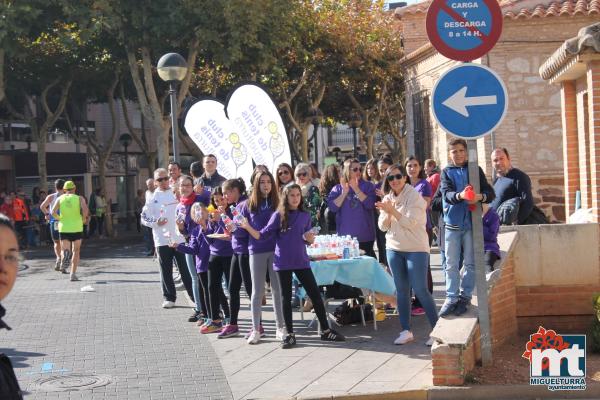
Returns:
<point x="125" y="140"/>
<point x="172" y="68"/>
<point x="355" y="122"/>
<point x="315" y="115"/>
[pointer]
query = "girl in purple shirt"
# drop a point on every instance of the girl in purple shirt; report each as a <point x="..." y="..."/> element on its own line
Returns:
<point x="219" y="263"/>
<point x="353" y="201"/>
<point x="234" y="191"/>
<point x="199" y="247"/>
<point x="257" y="211"/>
<point x="291" y="227"/>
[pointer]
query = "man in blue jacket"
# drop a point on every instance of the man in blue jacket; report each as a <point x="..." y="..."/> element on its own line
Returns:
<point x="458" y="229"/>
<point x="511" y="184"/>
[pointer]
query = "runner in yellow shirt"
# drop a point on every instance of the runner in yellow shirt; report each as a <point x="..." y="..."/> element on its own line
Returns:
<point x="74" y="213"/>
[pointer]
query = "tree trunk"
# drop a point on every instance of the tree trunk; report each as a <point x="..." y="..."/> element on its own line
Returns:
<point x="162" y="145"/>
<point x="108" y="215"/>
<point x="370" y="140"/>
<point x="152" y="158"/>
<point x="2" y="84"/>
<point x="42" y="139"/>
<point x="304" y="143"/>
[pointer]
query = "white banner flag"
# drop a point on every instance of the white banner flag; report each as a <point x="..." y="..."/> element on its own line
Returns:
<point x="258" y="122"/>
<point x="213" y="133"/>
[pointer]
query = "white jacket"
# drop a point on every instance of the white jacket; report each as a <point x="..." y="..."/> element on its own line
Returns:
<point x="408" y="233"/>
<point x="162" y="204"/>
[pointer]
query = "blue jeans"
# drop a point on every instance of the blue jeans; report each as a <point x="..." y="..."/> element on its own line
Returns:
<point x="457" y="240"/>
<point x="410" y="270"/>
<point x="148" y="240"/>
<point x="191" y="263"/>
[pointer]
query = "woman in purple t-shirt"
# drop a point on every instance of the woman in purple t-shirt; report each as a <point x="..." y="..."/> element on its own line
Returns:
<point x="417" y="179"/>
<point x="290" y="225"/>
<point x="353" y="201"/>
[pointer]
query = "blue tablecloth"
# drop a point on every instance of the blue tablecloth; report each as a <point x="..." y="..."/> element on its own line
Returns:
<point x="361" y="272"/>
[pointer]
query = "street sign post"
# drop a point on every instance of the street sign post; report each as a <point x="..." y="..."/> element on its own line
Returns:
<point x="464" y="30"/>
<point x="469" y="100"/>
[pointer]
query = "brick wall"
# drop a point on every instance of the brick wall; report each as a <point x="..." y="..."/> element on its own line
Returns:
<point x="570" y="146"/>
<point x="593" y="89"/>
<point x="503" y="306"/>
<point x="452" y="360"/>
<point x="549" y="195"/>
<point x="564" y="308"/>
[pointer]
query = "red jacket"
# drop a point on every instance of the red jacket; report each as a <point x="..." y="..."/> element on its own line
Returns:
<point x="20" y="210"/>
<point x="7" y="209"/>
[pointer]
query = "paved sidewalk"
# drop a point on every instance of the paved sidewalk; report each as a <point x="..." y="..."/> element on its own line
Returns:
<point x="119" y="337"/>
<point x="367" y="363"/>
<point x="119" y="334"/>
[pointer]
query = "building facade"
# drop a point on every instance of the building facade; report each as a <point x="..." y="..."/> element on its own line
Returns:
<point x="532" y="128"/>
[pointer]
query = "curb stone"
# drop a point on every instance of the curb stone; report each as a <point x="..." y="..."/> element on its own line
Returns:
<point x="484" y="392"/>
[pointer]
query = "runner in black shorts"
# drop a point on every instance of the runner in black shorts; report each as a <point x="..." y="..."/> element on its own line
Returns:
<point x="72" y="212"/>
<point x="46" y="208"/>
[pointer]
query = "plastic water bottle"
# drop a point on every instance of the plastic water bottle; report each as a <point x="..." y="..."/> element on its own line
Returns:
<point x="229" y="225"/>
<point x="237" y="217"/>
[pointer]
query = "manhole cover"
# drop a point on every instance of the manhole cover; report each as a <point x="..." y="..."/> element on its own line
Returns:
<point x="23" y="267"/>
<point x="64" y="383"/>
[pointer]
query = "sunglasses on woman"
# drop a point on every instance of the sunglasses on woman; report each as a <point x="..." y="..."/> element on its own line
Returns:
<point x="301" y="174"/>
<point x="284" y="172"/>
<point x="356" y="169"/>
<point x="164" y="178"/>
<point x="390" y="178"/>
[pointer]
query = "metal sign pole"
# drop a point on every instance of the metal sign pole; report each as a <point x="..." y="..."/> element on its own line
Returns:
<point x="478" y="252"/>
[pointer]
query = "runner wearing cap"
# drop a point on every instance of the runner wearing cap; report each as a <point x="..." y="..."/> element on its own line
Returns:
<point x="46" y="208"/>
<point x="73" y="213"/>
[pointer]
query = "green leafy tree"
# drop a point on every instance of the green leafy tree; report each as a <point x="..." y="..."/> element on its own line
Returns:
<point x="39" y="73"/>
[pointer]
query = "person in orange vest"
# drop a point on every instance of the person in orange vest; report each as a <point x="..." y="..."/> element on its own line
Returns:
<point x="21" y="217"/>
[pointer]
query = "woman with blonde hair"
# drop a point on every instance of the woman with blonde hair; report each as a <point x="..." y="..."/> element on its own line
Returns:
<point x="310" y="192"/>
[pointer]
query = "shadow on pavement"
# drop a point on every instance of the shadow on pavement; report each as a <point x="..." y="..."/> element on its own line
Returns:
<point x="18" y="358"/>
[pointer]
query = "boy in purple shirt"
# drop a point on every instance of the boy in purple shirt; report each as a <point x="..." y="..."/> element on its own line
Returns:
<point x="291" y="227"/>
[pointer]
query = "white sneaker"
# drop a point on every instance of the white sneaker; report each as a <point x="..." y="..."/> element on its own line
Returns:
<point x="74" y="277"/>
<point x="429" y="342"/>
<point x="168" y="304"/>
<point x="405" y="337"/>
<point x="281" y="333"/>
<point x="254" y="337"/>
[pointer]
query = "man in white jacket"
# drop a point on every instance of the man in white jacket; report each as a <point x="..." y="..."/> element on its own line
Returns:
<point x="159" y="214"/>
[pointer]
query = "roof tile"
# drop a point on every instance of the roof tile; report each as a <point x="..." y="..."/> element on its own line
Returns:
<point x="516" y="9"/>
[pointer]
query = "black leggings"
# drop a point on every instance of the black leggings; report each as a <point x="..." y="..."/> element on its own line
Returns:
<point x="217" y="266"/>
<point x="240" y="271"/>
<point x="204" y="292"/>
<point x="368" y="248"/>
<point x="490" y="259"/>
<point x="307" y="279"/>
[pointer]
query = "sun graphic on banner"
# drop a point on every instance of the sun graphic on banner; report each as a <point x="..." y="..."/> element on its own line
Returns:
<point x="544" y="339"/>
<point x="276" y="143"/>
<point x="239" y="154"/>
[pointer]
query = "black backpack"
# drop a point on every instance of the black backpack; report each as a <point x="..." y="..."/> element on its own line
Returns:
<point x="9" y="386"/>
<point x="536" y="217"/>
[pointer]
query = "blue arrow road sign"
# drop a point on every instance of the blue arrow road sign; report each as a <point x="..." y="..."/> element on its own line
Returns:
<point x="469" y="101"/>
